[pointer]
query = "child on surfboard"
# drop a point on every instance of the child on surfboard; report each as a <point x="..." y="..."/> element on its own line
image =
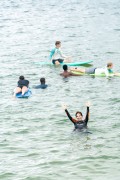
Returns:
<point x="56" y="55"/>
<point x="108" y="70"/>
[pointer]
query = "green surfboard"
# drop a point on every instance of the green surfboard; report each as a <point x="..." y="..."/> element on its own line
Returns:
<point x="95" y="75"/>
<point x="80" y="63"/>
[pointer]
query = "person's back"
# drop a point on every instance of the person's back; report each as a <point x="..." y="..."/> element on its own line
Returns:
<point x="22" y="86"/>
<point x="42" y="85"/>
<point x="66" y="73"/>
<point x="22" y="83"/>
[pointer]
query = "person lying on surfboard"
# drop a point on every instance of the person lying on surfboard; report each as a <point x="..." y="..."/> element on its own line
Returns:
<point x="56" y="55"/>
<point x="22" y="86"/>
<point x="78" y="121"/>
<point x="67" y="73"/>
<point x="108" y="70"/>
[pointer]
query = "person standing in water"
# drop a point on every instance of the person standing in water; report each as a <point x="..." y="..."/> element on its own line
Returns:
<point x="56" y="55"/>
<point x="78" y="121"/>
<point x="67" y="73"/>
<point x="42" y="85"/>
<point x="22" y="86"/>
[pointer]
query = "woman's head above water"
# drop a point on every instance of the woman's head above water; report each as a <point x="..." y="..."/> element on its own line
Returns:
<point x="79" y="116"/>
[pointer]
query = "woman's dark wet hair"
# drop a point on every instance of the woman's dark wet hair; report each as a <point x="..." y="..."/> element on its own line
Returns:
<point x="78" y="112"/>
<point x="21" y="78"/>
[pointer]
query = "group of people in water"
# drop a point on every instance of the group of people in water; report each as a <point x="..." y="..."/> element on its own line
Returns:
<point x="23" y="85"/>
<point x="56" y="57"/>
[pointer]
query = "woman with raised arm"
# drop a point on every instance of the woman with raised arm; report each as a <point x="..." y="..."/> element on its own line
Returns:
<point x="78" y="121"/>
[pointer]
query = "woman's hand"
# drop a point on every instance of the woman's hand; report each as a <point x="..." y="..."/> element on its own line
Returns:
<point x="88" y="104"/>
<point x="64" y="106"/>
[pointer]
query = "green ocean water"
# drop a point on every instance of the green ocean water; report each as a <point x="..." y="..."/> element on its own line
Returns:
<point x="37" y="141"/>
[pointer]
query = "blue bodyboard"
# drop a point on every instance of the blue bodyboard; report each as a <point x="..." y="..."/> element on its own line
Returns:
<point x="26" y="95"/>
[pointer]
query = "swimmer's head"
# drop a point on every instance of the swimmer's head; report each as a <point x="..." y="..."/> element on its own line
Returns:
<point x="110" y="65"/>
<point x="65" y="67"/>
<point x="57" y="44"/>
<point x="21" y="78"/>
<point x="79" y="116"/>
<point x="42" y="80"/>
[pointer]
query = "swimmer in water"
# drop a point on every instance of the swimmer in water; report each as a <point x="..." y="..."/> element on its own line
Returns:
<point x="78" y="121"/>
<point x="42" y="85"/>
<point x="67" y="73"/>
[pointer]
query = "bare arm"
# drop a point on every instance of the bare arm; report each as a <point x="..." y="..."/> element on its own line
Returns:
<point x="75" y="69"/>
